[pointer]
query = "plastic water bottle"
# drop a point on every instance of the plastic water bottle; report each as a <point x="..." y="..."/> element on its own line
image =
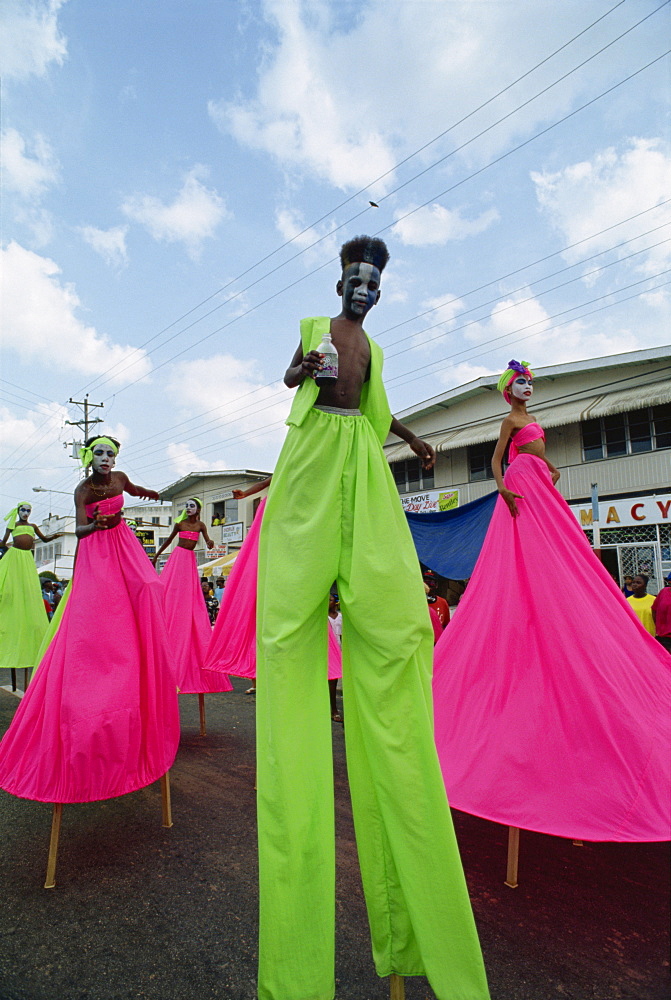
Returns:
<point x="329" y="372"/>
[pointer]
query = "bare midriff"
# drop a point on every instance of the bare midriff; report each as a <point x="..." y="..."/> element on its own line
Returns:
<point x="536" y="447"/>
<point x="353" y="364"/>
<point x="187" y="543"/>
<point x="24" y="542"/>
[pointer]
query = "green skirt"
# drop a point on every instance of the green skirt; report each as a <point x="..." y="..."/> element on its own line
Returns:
<point x="23" y="618"/>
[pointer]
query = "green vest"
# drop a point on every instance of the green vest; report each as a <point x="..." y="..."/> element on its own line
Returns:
<point x="373" y="395"/>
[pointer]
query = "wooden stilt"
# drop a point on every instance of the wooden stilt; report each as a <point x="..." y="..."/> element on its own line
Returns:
<point x="201" y="709"/>
<point x="50" y="881"/>
<point x="165" y="800"/>
<point x="26" y="679"/>
<point x="513" y="856"/>
<point x="396" y="987"/>
<point x="13" y="672"/>
<point x="578" y="843"/>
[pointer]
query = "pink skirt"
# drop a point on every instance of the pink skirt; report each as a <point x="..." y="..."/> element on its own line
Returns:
<point x="100" y="717"/>
<point x="189" y="626"/>
<point x="551" y="699"/>
<point x="233" y="644"/>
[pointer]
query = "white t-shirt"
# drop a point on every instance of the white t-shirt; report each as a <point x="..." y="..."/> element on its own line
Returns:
<point x="336" y="625"/>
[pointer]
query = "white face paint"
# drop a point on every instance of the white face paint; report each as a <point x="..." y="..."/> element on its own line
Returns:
<point x="103" y="458"/>
<point x="522" y="388"/>
<point x="191" y="507"/>
<point x="24" y="512"/>
<point x="361" y="287"/>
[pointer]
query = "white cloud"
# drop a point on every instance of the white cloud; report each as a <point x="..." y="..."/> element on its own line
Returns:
<point x="29" y="169"/>
<point x="29" y="37"/>
<point x="39" y="320"/>
<point x="109" y="243"/>
<point x="184" y="460"/>
<point x="193" y="216"/>
<point x="441" y="320"/>
<point x="585" y="198"/>
<point x="436" y="225"/>
<point x="291" y="225"/>
<point x="245" y="410"/>
<point x="345" y="95"/>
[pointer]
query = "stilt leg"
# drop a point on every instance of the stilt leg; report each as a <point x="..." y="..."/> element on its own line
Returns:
<point x="578" y="843"/>
<point x="13" y="679"/>
<point x="513" y="856"/>
<point x="165" y="800"/>
<point x="396" y="987"/>
<point x="201" y="709"/>
<point x="50" y="881"/>
<point x="26" y="679"/>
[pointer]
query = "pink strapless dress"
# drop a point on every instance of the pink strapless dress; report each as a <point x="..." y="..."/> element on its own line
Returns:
<point x="233" y="643"/>
<point x="189" y="626"/>
<point x="551" y="700"/>
<point x="100" y="717"/>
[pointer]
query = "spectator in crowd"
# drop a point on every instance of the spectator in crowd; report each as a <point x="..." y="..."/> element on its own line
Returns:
<point x="219" y="589"/>
<point x="642" y="602"/>
<point x="47" y="594"/>
<point x="216" y="520"/>
<point x="661" y="615"/>
<point x="439" y="604"/>
<point x="211" y="602"/>
<point x="433" y="615"/>
<point x="626" y="590"/>
<point x="335" y="621"/>
<point x="210" y="589"/>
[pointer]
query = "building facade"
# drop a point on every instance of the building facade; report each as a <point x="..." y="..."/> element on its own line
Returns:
<point x="227" y="519"/>
<point x="607" y="423"/>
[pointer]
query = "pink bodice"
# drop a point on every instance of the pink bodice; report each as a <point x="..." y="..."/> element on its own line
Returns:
<point x="530" y="432"/>
<point x="191" y="535"/>
<point x="106" y="506"/>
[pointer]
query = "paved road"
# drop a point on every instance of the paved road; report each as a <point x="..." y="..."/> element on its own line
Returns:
<point x="151" y="914"/>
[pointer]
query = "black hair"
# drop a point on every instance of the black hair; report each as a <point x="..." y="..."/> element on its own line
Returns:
<point x="364" y="249"/>
<point x="96" y="437"/>
<point x="642" y="576"/>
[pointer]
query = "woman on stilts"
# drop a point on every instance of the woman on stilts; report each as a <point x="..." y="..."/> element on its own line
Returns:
<point x="23" y="617"/>
<point x="186" y="614"/>
<point x="551" y="699"/>
<point x="100" y="718"/>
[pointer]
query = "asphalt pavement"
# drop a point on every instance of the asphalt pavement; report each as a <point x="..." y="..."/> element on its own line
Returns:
<point x="147" y="913"/>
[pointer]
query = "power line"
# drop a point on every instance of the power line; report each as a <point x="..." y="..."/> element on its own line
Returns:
<point x="372" y="183"/>
<point x="401" y="380"/>
<point x="215" y="423"/>
<point x="475" y="173"/>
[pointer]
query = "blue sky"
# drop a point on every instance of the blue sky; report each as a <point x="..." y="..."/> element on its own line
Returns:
<point x="177" y="179"/>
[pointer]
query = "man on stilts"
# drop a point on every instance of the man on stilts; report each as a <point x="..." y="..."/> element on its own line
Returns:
<point x="333" y="513"/>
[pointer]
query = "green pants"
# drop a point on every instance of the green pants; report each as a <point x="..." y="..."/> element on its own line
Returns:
<point x="333" y="514"/>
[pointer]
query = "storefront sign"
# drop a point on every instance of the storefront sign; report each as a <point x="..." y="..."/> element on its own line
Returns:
<point x="429" y="503"/>
<point x="626" y="512"/>
<point x="218" y="552"/>
<point x="232" y="532"/>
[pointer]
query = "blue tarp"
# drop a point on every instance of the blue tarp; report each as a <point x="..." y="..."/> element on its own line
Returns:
<point x="449" y="541"/>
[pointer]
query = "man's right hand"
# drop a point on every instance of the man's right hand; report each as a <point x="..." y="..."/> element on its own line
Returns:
<point x="311" y="364"/>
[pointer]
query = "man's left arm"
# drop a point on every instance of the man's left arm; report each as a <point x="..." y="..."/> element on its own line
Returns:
<point x="422" y="449"/>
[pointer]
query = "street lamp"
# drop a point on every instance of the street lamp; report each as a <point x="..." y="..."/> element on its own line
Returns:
<point x="45" y="489"/>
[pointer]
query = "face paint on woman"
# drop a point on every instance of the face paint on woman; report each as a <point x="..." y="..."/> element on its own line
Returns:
<point x="522" y="388"/>
<point x="191" y="508"/>
<point x="24" y="512"/>
<point x="103" y="459"/>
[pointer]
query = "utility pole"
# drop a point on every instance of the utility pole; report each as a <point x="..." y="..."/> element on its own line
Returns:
<point x="87" y="422"/>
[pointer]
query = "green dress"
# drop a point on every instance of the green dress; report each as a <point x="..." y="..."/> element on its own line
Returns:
<point x="23" y="617"/>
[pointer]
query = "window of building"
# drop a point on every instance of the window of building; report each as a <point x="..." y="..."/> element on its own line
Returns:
<point x="226" y="510"/>
<point x="410" y="477"/>
<point x="480" y="461"/>
<point x="631" y="433"/>
<point x="156" y="520"/>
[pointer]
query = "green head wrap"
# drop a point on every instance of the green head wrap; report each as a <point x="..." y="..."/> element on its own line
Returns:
<point x="86" y="453"/>
<point x="13" y="514"/>
<point x="183" y="516"/>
